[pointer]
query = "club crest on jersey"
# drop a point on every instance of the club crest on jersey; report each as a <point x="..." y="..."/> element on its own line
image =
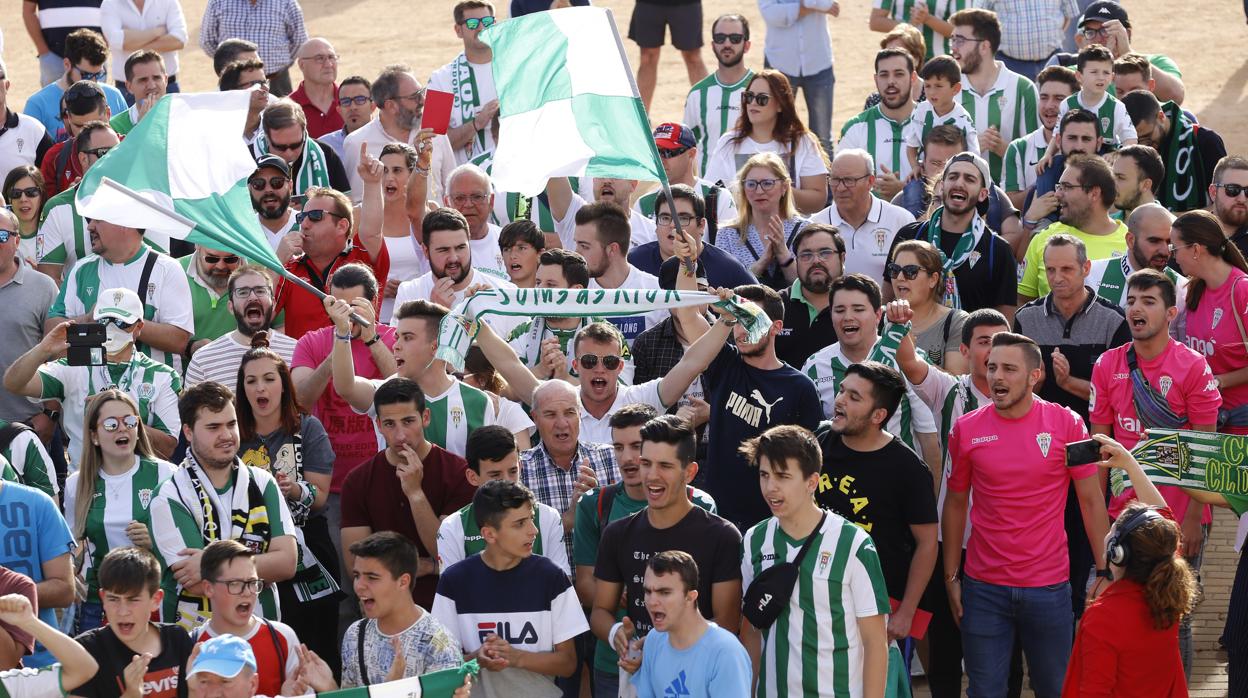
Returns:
<point x="145" y="497"/>
<point x="881" y="238"/>
<point x="1166" y="382"/>
<point x="1217" y="317"/>
<point x="825" y="559"/>
<point x="146" y="391"/>
<point x="1001" y="100"/>
<point x="1044" y="440"/>
<point x="1104" y="124"/>
<point x="973" y="258"/>
<point x="457" y="415"/>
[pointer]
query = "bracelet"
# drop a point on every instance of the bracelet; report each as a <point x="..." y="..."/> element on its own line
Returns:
<point x="611" y="635"/>
<point x="1030" y="223"/>
<point x="376" y="338"/>
<point x="729" y="322"/>
<point x="424" y="172"/>
<point x="342" y="337"/>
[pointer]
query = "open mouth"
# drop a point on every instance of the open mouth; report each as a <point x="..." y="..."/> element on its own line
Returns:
<point x="775" y="503"/>
<point x="958" y="195"/>
<point x="391" y="190"/>
<point x="1138" y="323"/>
<point x="399" y="362"/>
<point x="254" y="312"/>
<point x="657" y="617"/>
<point x="453" y="269"/>
<point x="262" y="402"/>
<point x="562" y="437"/>
<point x="655" y="492"/>
<point x="849" y="330"/>
<point x="598" y="383"/>
<point x="630" y="468"/>
<point x="244" y="608"/>
<point x="514" y="268"/>
<point x="125" y="629"/>
<point x="1000" y="391"/>
<point x="367" y="605"/>
<point x="122" y="441"/>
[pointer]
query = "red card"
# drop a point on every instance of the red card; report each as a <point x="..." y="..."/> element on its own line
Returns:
<point x="437" y="115"/>
<point x="918" y="626"/>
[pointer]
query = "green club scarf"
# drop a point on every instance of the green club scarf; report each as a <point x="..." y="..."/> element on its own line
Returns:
<point x="1198" y="460"/>
<point x="961" y="252"/>
<point x="312" y="172"/>
<point x="1182" y="190"/>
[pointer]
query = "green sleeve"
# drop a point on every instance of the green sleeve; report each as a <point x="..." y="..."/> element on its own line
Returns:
<point x="274" y="503"/>
<point x="52" y="387"/>
<point x="1011" y="168"/>
<point x="1238" y="503"/>
<point x="1162" y="62"/>
<point x="586" y="534"/>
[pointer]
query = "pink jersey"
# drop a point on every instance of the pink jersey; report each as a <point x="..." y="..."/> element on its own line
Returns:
<point x="1213" y="332"/>
<point x="1016" y="469"/>
<point x="1179" y="373"/>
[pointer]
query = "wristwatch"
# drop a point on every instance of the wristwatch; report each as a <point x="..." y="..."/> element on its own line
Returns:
<point x="376" y="338"/>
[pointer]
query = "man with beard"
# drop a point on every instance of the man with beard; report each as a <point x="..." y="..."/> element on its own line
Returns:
<point x="1229" y="192"/>
<point x="820" y="253"/>
<point x="147" y="80"/>
<point x="867" y="223"/>
<point x="355" y="106"/>
<point x="270" y="197"/>
<point x="566" y="203"/>
<point x="878" y="130"/>
<point x="1148" y="247"/>
<point x="317" y="95"/>
<point x="63" y="238"/>
<point x="1078" y="133"/>
<point x="249" y="292"/>
<point x="470" y="80"/>
<point x="470" y="191"/>
<point x="1138" y="174"/>
<point x="714" y="104"/>
<point x="1002" y="103"/>
<point x="1190" y="152"/>
<point x="981" y="261"/>
<point x="214" y="496"/>
<point x="1055" y="84"/>
<point x="286" y="135"/>
<point x="208" y="271"/>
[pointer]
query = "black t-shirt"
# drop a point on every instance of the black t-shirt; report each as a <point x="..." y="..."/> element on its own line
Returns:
<point x="803" y="335"/>
<point x="885" y="492"/>
<point x="629" y="542"/>
<point x="165" y="677"/>
<point x="745" y="402"/>
<point x="987" y="279"/>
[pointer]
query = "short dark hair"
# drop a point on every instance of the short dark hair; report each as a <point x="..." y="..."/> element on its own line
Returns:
<point x="83" y="140"/>
<point x="765" y="297"/>
<point x="393" y="550"/>
<point x="784" y="443"/>
<point x="984" y="25"/>
<point x="681" y="191"/>
<point x="674" y="431"/>
<point x="942" y="67"/>
<point x="358" y="80"/>
<point x="522" y="230"/>
<point x="1095" y="172"/>
<point x="86" y="45"/>
<point x="887" y="385"/>
<point x="407" y="151"/>
<point x="129" y="570"/>
<point x="611" y="221"/>
<point x="745" y="23"/>
<point x="440" y="219"/>
<point x="208" y="394"/>
<point x="228" y="51"/>
<point x="396" y="391"/>
<point x="355" y="274"/>
<point x="464" y="5"/>
<point x="1031" y="350"/>
<point x="84" y="97"/>
<point x="599" y="331"/>
<point x="857" y="282"/>
<point x="815" y="228"/>
<point x="1093" y="53"/>
<point x="945" y="134"/>
<point x="676" y="562"/>
<point x="1149" y="163"/>
<point x="1058" y="73"/>
<point x="143" y="55"/>
<point x="1078" y="115"/>
<point x="219" y="553"/>
<point x="246" y="269"/>
<point x="386" y="86"/>
<point x="1144" y="279"/>
<point x="1134" y="64"/>
<point x="428" y="312"/>
<point x="1142" y="106"/>
<point x="634" y="414"/>
<point x="491" y="442"/>
<point x="231" y="75"/>
<point x="495" y="498"/>
<point x="983" y="317"/>
<point x="575" y="269"/>
<point x="886" y="53"/>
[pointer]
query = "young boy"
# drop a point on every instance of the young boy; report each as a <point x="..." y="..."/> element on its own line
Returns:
<point x="942" y="81"/>
<point x="396" y="638"/>
<point x="685" y="655"/>
<point x="136" y="656"/>
<point x="492" y="455"/>
<point x="232" y="586"/>
<point x="1095" y="71"/>
<point x="514" y="611"/>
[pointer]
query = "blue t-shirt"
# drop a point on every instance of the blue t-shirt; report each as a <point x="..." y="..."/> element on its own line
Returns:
<point x="32" y="532"/>
<point x="717" y="665"/>
<point x="45" y="105"/>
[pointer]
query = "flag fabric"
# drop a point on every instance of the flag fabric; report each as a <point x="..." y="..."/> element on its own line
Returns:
<point x="183" y="171"/>
<point x="435" y="684"/>
<point x="568" y="106"/>
<point x="1198" y="460"/>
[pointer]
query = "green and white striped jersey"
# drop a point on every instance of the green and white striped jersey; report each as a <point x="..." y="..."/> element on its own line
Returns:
<point x="63" y="237"/>
<point x="153" y="385"/>
<point x="459" y="537"/>
<point x="1111" y="116"/>
<point x="924" y="118"/>
<point x="118" y="500"/>
<point x="879" y="135"/>
<point x="1018" y="171"/>
<point x="453" y="414"/>
<point x="814" y="647"/>
<point x="28" y="462"/>
<point x="937" y="44"/>
<point x="1109" y="278"/>
<point x="711" y="109"/>
<point x="1009" y="105"/>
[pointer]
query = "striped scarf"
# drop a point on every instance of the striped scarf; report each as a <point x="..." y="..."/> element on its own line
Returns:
<point x="312" y="172"/>
<point x="1198" y="460"/>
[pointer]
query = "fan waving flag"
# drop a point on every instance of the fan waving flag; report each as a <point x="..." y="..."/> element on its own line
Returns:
<point x="568" y="105"/>
<point x="183" y="172"/>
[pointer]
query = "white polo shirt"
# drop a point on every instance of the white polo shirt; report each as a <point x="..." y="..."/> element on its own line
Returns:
<point x="867" y="246"/>
<point x="594" y="430"/>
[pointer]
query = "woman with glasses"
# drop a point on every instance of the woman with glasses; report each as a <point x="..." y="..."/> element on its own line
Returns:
<point x="106" y="500"/>
<point x="769" y="123"/>
<point x="23" y="189"/>
<point x="278" y="436"/>
<point x="760" y="238"/>
<point x="917" y="275"/>
<point x="407" y="259"/>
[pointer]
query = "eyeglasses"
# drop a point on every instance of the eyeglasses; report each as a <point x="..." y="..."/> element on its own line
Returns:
<point x="238" y="586"/>
<point x="96" y="153"/>
<point x="258" y="183"/>
<point x="36" y="192"/>
<point x="321" y="58"/>
<point x="216" y="259"/>
<point x="418" y="97"/>
<point x="316" y="215"/>
<point x="474" y="23"/>
<point x="112" y="424"/>
<point x="847" y="182"/>
<point x="6" y="234"/>
<point x="118" y="322"/>
<point x="1231" y="190"/>
<point x="1063" y="186"/>
<point x="97" y="76"/>
<point x="722" y="38"/>
<point x="808" y="256"/>
<point x="667" y="153"/>
<point x="609" y="362"/>
<point x="262" y="82"/>
<point x="665" y="219"/>
<point x="1174" y="249"/>
<point x="244" y="292"/>
<point x="761" y="98"/>
<point x="960" y="40"/>
<point x="476" y="199"/>
<point x="358" y="100"/>
<point x="285" y="147"/>
<point x="764" y="185"/>
<point x="1101" y="31"/>
<point x="910" y="271"/>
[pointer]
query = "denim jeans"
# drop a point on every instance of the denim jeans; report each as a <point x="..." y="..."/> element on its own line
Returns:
<point x="1186" y="650"/>
<point x="817" y="89"/>
<point x="605" y="685"/>
<point x="993" y="615"/>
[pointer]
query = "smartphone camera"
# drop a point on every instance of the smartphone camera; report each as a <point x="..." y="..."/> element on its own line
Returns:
<point x="1083" y="452"/>
<point x="86" y="344"/>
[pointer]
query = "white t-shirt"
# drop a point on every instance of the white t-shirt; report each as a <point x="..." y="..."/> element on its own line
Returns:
<point x="598" y="431"/>
<point x="633" y="325"/>
<point x="421" y="288"/>
<point x="486" y="254"/>
<point x="642" y="227"/>
<point x="730" y="157"/>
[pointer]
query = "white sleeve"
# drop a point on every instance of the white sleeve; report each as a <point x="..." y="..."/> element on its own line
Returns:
<point x="165" y="408"/>
<point x="1124" y="129"/>
<point x="73" y="303"/>
<point x="450" y="541"/>
<point x="566" y="226"/>
<point x="912" y="134"/>
<point x="935" y="388"/>
<point x="445" y="612"/>
<point x="567" y="617"/>
<point x="861" y="587"/>
<point x="721" y="167"/>
<point x="553" y="549"/>
<point x="70" y="496"/>
<point x="921" y="419"/>
<point x="512" y="416"/>
<point x="807" y="159"/>
<point x="292" y="643"/>
<point x="52" y="233"/>
<point x="408" y="291"/>
<point x="351" y="161"/>
<point x="174" y="306"/>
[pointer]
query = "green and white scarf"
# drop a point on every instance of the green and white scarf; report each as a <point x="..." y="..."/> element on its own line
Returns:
<point x="468" y="101"/>
<point x="1198" y="460"/>
<point x="460" y="326"/>
<point x="1183" y="190"/>
<point x="313" y="172"/>
<point x="435" y="684"/>
<point x="963" y="251"/>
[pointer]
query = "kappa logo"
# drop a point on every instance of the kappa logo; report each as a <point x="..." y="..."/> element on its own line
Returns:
<point x="1044" y="440"/>
<point x="1166" y="383"/>
<point x="983" y="439"/>
<point x="1217" y="317"/>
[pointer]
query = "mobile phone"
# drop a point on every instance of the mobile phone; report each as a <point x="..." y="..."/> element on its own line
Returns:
<point x="298" y="200"/>
<point x="437" y="112"/>
<point x="86" y="344"/>
<point x="1083" y="452"/>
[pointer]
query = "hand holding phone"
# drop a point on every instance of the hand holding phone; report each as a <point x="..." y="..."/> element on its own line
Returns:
<point x="1083" y="452"/>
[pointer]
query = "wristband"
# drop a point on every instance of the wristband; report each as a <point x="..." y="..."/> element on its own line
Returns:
<point x="342" y="337"/>
<point x="792" y="259"/>
<point x="376" y="338"/>
<point x="611" y="635"/>
<point x="1030" y="223"/>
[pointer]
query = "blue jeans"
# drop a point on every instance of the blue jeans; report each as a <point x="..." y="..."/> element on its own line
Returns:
<point x="817" y="89"/>
<point x="605" y="685"/>
<point x="993" y="615"/>
<point x="90" y="617"/>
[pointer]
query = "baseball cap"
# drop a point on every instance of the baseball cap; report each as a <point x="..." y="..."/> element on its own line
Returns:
<point x="674" y="136"/>
<point x="274" y="161"/>
<point x="223" y="655"/>
<point x="120" y="303"/>
<point x="1103" y="11"/>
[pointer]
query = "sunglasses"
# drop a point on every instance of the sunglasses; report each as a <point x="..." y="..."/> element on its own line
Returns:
<point x="475" y="23"/>
<point x="258" y="183"/>
<point x="97" y="76"/>
<point x="910" y="271"/>
<point x="111" y="424"/>
<point x="1231" y="190"/>
<point x="358" y="100"/>
<point x="760" y="98"/>
<point x="122" y="324"/>
<point x="316" y="215"/>
<point x="285" y="147"/>
<point x="215" y="259"/>
<point x="725" y="38"/>
<point x="6" y="234"/>
<point x="609" y="362"/>
<point x="668" y="153"/>
<point x="97" y="153"/>
<point x="36" y="192"/>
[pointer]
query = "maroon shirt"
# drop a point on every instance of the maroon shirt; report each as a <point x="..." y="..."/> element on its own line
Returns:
<point x="17" y="583"/>
<point x="319" y="122"/>
<point x="372" y="496"/>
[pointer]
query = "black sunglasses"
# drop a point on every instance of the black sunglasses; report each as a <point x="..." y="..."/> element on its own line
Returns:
<point x="1232" y="190"/>
<point x="911" y="271"/>
<point x="36" y="192"/>
<point x="214" y="259"/>
<point x="258" y="183"/>
<point x="316" y="215"/>
<point x="97" y="153"/>
<point x="723" y="38"/>
<point x="358" y="100"/>
<point x="761" y="98"/>
<point x="609" y="362"/>
<point x="668" y="153"/>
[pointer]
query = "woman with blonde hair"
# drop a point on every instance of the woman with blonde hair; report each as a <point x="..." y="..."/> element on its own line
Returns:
<point x="917" y="274"/>
<point x="106" y="500"/>
<point x="762" y="235"/>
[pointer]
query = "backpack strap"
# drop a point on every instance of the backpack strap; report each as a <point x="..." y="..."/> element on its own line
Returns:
<point x="9" y="432"/>
<point x="277" y="645"/>
<point x="359" y="653"/>
<point x="606" y="498"/>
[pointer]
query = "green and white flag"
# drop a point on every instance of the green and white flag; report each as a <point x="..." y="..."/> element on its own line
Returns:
<point x="183" y="171"/>
<point x="435" y="684"/>
<point x="568" y="105"/>
<point x="1199" y="460"/>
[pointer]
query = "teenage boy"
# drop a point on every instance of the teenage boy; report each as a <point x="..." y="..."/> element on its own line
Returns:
<point x="1095" y="72"/>
<point x="522" y="244"/>
<point x="232" y="585"/>
<point x="396" y="638"/>
<point x="832" y="631"/>
<point x="514" y="611"/>
<point x="137" y="658"/>
<point x="492" y="455"/>
<point x="74" y="666"/>
<point x="685" y="655"/>
<point x="942" y="81"/>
